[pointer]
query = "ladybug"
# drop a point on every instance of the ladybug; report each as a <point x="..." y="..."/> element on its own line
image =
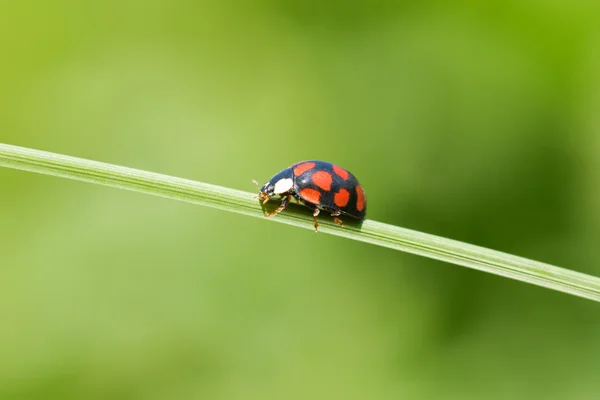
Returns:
<point x="319" y="185"/>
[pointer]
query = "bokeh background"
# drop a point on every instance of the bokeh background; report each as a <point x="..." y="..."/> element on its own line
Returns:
<point x="478" y="121"/>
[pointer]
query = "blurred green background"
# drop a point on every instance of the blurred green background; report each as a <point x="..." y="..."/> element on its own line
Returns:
<point x="477" y="121"/>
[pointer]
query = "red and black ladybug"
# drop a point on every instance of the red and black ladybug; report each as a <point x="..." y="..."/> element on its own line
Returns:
<point x="319" y="185"/>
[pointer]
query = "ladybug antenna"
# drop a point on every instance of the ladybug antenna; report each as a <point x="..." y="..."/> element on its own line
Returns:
<point x="258" y="185"/>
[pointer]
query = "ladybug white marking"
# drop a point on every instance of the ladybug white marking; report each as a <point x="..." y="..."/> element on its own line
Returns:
<point x="283" y="185"/>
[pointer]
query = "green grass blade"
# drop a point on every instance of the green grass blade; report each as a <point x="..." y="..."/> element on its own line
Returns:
<point x="241" y="202"/>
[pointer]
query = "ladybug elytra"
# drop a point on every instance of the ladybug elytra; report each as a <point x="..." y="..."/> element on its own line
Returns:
<point x="319" y="185"/>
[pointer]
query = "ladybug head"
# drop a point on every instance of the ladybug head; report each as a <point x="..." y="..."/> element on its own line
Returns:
<point x="267" y="190"/>
<point x="281" y="183"/>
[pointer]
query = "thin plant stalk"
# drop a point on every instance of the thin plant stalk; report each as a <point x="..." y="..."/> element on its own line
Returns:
<point x="241" y="202"/>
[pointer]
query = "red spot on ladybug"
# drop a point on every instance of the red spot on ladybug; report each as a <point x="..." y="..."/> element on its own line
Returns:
<point x="311" y="195"/>
<point x="341" y="198"/>
<point x="320" y="186"/>
<point x="341" y="172"/>
<point x="302" y="168"/>
<point x="360" y="199"/>
<point x="322" y="179"/>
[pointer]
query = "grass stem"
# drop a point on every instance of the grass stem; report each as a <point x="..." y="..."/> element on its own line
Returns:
<point x="241" y="202"/>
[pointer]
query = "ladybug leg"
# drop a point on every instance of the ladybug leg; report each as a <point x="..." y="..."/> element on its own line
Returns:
<point x="315" y="213"/>
<point x="281" y="207"/>
<point x="336" y="219"/>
